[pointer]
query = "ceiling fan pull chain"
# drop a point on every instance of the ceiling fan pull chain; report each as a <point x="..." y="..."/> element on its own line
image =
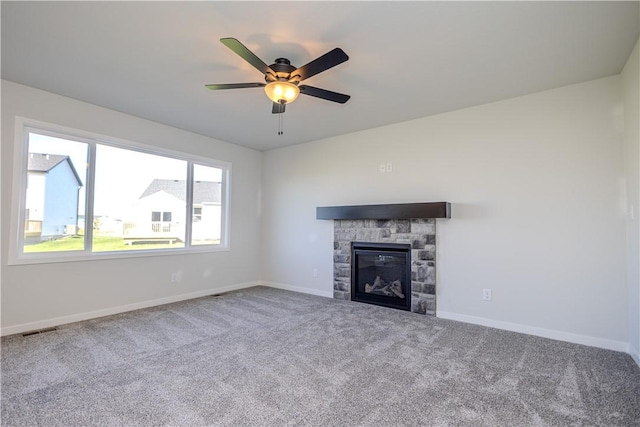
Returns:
<point x="280" y="120"/>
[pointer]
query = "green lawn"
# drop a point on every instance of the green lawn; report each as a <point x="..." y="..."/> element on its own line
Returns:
<point x="100" y="244"/>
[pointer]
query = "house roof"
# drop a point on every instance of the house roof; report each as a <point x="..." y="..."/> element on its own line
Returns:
<point x="43" y="162"/>
<point x="203" y="191"/>
<point x="40" y="162"/>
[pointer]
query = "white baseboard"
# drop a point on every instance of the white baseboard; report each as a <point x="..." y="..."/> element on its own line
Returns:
<point x="33" y="326"/>
<point x="635" y="353"/>
<point x="327" y="294"/>
<point x="540" y="332"/>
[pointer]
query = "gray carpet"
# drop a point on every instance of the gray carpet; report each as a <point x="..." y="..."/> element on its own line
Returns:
<point x="264" y="356"/>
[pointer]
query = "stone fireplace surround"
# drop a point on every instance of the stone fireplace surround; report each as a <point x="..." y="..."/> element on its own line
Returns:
<point x="372" y="226"/>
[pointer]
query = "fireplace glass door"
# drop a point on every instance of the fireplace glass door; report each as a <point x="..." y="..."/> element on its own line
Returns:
<point x="381" y="274"/>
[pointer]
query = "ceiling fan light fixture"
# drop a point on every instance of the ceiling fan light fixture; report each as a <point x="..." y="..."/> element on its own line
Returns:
<point x="282" y="91"/>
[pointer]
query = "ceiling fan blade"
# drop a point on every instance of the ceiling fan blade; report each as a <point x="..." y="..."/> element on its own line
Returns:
<point x="324" y="94"/>
<point x="244" y="52"/>
<point x="278" y="108"/>
<point x="318" y="65"/>
<point x="234" y="86"/>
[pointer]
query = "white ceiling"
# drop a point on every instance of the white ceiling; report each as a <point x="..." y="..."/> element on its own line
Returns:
<point x="407" y="59"/>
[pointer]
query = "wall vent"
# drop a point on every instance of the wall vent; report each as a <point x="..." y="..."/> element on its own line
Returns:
<point x="39" y="331"/>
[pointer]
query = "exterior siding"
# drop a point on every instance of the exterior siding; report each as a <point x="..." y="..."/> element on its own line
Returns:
<point x="61" y="198"/>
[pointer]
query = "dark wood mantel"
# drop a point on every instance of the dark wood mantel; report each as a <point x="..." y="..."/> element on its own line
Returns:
<point x="394" y="211"/>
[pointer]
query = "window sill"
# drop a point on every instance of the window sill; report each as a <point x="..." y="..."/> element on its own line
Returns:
<point x="49" y="258"/>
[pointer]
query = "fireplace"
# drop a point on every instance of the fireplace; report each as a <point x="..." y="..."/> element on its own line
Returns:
<point x="410" y="225"/>
<point x="381" y="274"/>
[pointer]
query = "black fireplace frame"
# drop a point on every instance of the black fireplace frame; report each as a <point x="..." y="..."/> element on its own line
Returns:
<point x="358" y="248"/>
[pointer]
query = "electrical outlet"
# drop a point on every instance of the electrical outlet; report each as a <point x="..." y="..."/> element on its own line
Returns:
<point x="314" y="273"/>
<point x="389" y="167"/>
<point x="486" y="294"/>
<point x="175" y="277"/>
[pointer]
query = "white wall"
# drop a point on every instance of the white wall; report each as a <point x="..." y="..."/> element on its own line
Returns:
<point x="38" y="295"/>
<point x="631" y="97"/>
<point x="537" y="191"/>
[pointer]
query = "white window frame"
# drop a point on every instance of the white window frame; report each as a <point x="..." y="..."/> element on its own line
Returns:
<point x="17" y="256"/>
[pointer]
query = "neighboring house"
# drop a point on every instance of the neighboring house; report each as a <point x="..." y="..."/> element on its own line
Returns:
<point x="159" y="213"/>
<point x="53" y="194"/>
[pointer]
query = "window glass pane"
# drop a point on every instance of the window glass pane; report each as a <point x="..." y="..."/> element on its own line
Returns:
<point x="139" y="201"/>
<point x="55" y="194"/>
<point x="207" y="197"/>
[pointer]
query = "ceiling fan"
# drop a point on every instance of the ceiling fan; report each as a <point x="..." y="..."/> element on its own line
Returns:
<point x="283" y="79"/>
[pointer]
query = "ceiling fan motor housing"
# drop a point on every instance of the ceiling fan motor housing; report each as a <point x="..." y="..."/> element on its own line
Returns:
<point x="283" y="70"/>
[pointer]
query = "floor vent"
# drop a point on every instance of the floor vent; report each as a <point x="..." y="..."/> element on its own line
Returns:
<point x="39" y="331"/>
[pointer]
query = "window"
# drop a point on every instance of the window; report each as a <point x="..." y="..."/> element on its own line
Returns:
<point x="86" y="196"/>
<point x="207" y="228"/>
<point x="197" y="214"/>
<point x="55" y="194"/>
